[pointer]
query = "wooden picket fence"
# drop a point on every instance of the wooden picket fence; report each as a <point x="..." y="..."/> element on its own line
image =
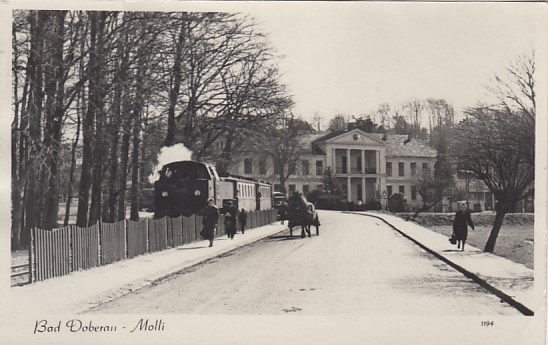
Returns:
<point x="58" y="252"/>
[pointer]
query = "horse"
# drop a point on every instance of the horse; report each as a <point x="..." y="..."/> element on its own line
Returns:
<point x="303" y="213"/>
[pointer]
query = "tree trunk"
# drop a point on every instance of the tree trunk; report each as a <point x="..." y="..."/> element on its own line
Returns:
<point x="116" y="120"/>
<point x="72" y="168"/>
<point x="124" y="157"/>
<point x="499" y="217"/>
<point x="283" y="179"/>
<point x="81" y="99"/>
<point x="175" y="87"/>
<point x="87" y="151"/>
<point x="134" y="196"/>
<point x="16" y="206"/>
<point x="135" y="166"/>
<point x="226" y="155"/>
<point x="99" y="151"/>
<point x="36" y="61"/>
<point x="52" y="197"/>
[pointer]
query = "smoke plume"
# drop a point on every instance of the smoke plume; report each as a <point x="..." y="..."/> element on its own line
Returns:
<point x="167" y="155"/>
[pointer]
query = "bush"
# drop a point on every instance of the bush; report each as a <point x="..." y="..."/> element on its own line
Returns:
<point x="397" y="203"/>
<point x="314" y="195"/>
<point x="373" y="205"/>
<point x="331" y="202"/>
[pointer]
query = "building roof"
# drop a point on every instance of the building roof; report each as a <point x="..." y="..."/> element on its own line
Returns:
<point x="396" y="146"/>
<point x="308" y="143"/>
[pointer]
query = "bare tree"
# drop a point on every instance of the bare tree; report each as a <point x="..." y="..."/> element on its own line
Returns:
<point x="515" y="90"/>
<point x="82" y="81"/>
<point x="338" y="123"/>
<point x="281" y="143"/>
<point x="477" y="147"/>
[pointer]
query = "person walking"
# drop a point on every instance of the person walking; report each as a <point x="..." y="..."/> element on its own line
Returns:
<point x="282" y="211"/>
<point x="460" y="224"/>
<point x="242" y="218"/>
<point x="209" y="221"/>
<point x="230" y="219"/>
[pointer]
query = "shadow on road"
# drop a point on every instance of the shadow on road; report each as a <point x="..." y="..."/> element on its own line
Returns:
<point x="283" y="238"/>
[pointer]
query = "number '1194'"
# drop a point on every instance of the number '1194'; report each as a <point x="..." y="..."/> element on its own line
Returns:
<point x="487" y="323"/>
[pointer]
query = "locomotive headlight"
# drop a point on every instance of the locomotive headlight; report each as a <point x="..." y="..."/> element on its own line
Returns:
<point x="197" y="192"/>
<point x="164" y="193"/>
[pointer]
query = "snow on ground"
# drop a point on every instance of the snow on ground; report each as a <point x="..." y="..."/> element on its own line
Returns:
<point x="82" y="290"/>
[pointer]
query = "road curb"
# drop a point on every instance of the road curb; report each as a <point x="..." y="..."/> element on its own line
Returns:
<point x="139" y="284"/>
<point x="482" y="282"/>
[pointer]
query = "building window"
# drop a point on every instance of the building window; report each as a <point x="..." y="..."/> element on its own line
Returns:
<point x="291" y="167"/>
<point x="306" y="189"/>
<point x="262" y="166"/>
<point x="389" y="191"/>
<point x="292" y="188"/>
<point x="413" y="169"/>
<point x="425" y="167"/>
<point x="306" y="167"/>
<point x="248" y="168"/>
<point x="344" y="164"/>
<point x="277" y="187"/>
<point x="402" y="190"/>
<point x="319" y="187"/>
<point x="359" y="164"/>
<point x="359" y="191"/>
<point x="319" y="168"/>
<point x="388" y="168"/>
<point x="413" y="192"/>
<point x="401" y="169"/>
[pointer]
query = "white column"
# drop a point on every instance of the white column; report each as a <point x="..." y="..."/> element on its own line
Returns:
<point x="348" y="161"/>
<point x="363" y="164"/>
<point x="363" y="191"/>
<point x="348" y="189"/>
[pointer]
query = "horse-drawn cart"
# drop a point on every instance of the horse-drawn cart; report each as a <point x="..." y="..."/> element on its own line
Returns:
<point x="302" y="213"/>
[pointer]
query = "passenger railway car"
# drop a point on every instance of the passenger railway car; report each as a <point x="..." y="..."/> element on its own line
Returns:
<point x="184" y="188"/>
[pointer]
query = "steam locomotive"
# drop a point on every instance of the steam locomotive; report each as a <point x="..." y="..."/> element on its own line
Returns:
<point x="184" y="187"/>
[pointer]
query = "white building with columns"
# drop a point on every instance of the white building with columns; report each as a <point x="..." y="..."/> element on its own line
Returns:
<point x="368" y="166"/>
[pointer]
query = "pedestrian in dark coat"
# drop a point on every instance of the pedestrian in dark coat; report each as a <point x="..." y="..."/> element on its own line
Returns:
<point x="230" y="219"/>
<point x="242" y="218"/>
<point x="460" y="224"/>
<point x="282" y="211"/>
<point x="209" y="221"/>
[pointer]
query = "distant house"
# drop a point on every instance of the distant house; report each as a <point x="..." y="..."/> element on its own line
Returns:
<point x="368" y="166"/>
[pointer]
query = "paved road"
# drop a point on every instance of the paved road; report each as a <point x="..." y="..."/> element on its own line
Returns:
<point x="357" y="265"/>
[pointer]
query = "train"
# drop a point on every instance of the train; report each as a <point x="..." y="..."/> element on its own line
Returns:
<point x="278" y="199"/>
<point x="184" y="188"/>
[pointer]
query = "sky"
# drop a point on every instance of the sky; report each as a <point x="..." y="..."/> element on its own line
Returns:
<point x="350" y="57"/>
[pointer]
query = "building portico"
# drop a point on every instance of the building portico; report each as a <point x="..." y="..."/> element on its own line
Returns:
<point x="369" y="167"/>
<point x="357" y="159"/>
